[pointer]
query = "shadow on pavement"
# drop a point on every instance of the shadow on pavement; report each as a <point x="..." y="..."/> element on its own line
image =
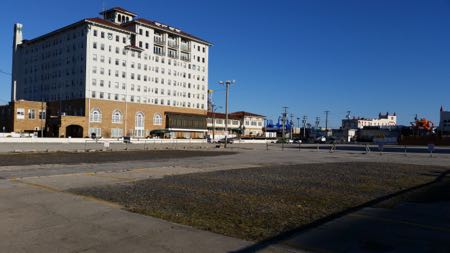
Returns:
<point x="337" y="234"/>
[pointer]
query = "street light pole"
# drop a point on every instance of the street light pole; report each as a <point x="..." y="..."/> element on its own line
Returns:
<point x="304" y="126"/>
<point x="284" y="124"/>
<point x="227" y="85"/>
<point x="292" y="126"/>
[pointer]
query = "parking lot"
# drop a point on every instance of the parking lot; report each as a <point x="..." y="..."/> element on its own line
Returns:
<point x="48" y="211"/>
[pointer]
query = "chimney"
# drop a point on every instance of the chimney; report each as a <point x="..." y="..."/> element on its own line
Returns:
<point x="18" y="38"/>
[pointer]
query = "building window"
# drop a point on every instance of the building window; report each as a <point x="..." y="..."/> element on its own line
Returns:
<point x="41" y="114"/>
<point x="158" y="50"/>
<point x="116" y="132"/>
<point x="20" y="114"/>
<point x="116" y="117"/>
<point x="96" y="115"/>
<point x="95" y="130"/>
<point x="31" y="114"/>
<point x="157" y="119"/>
<point x="139" y="125"/>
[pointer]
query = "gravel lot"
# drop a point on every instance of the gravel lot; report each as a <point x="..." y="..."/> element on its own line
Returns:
<point x="259" y="203"/>
<point x="98" y="157"/>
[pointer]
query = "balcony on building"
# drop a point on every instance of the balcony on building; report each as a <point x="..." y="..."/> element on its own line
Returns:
<point x="158" y="50"/>
<point x="185" y="46"/>
<point x="172" y="54"/>
<point x="159" y="39"/>
<point x="172" y="42"/>
<point x="185" y="57"/>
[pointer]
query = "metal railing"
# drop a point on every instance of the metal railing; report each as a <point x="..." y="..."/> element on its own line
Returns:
<point x="185" y="58"/>
<point x="159" y="41"/>
<point x="185" y="48"/>
<point x="172" y="44"/>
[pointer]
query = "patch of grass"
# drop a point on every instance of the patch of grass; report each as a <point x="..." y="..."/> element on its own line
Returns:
<point x="258" y="203"/>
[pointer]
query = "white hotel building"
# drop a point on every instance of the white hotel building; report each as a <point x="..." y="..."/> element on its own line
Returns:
<point x="114" y="76"/>
<point x="383" y="121"/>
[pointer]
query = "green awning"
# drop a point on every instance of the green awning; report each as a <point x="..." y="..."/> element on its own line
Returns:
<point x="159" y="131"/>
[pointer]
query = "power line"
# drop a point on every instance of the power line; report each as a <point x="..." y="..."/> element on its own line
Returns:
<point x="4" y="72"/>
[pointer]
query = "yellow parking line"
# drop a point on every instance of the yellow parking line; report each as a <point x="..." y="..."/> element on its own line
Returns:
<point x="51" y="189"/>
<point x="107" y="176"/>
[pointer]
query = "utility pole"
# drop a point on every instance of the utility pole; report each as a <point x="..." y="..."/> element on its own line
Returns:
<point x="317" y="122"/>
<point x="326" y="121"/>
<point x="41" y="115"/>
<point x="292" y="125"/>
<point x="298" y="125"/>
<point x="304" y="126"/>
<point x="227" y="85"/>
<point x="283" y="135"/>
<point x="214" y="108"/>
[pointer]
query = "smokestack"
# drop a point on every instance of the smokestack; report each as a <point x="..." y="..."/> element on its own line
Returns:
<point x="18" y="38"/>
<point x="13" y="92"/>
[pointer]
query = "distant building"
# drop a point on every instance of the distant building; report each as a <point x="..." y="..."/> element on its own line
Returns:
<point x="444" y="121"/>
<point x="252" y="124"/>
<point x="23" y="116"/>
<point x="240" y="124"/>
<point x="383" y="121"/>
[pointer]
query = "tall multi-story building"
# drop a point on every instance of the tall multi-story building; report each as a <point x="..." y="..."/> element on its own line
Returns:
<point x="113" y="76"/>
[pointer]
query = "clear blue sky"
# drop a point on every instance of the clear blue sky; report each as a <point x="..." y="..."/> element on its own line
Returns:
<point x="363" y="56"/>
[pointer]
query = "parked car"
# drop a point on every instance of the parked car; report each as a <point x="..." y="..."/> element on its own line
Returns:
<point x="321" y="139"/>
<point x="229" y="140"/>
<point x="298" y="141"/>
<point x="286" y="141"/>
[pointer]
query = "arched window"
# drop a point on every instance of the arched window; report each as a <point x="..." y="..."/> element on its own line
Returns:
<point x="157" y="119"/>
<point x="96" y="115"/>
<point x="119" y="17"/>
<point x="139" y="125"/>
<point x="139" y="120"/>
<point x="116" y="116"/>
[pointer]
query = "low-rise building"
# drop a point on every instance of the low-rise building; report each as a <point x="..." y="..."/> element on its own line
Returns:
<point x="252" y="123"/>
<point x="23" y="116"/>
<point x="444" y="121"/>
<point x="240" y="124"/>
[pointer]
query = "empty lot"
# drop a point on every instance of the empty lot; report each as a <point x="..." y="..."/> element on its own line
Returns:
<point x="258" y="203"/>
